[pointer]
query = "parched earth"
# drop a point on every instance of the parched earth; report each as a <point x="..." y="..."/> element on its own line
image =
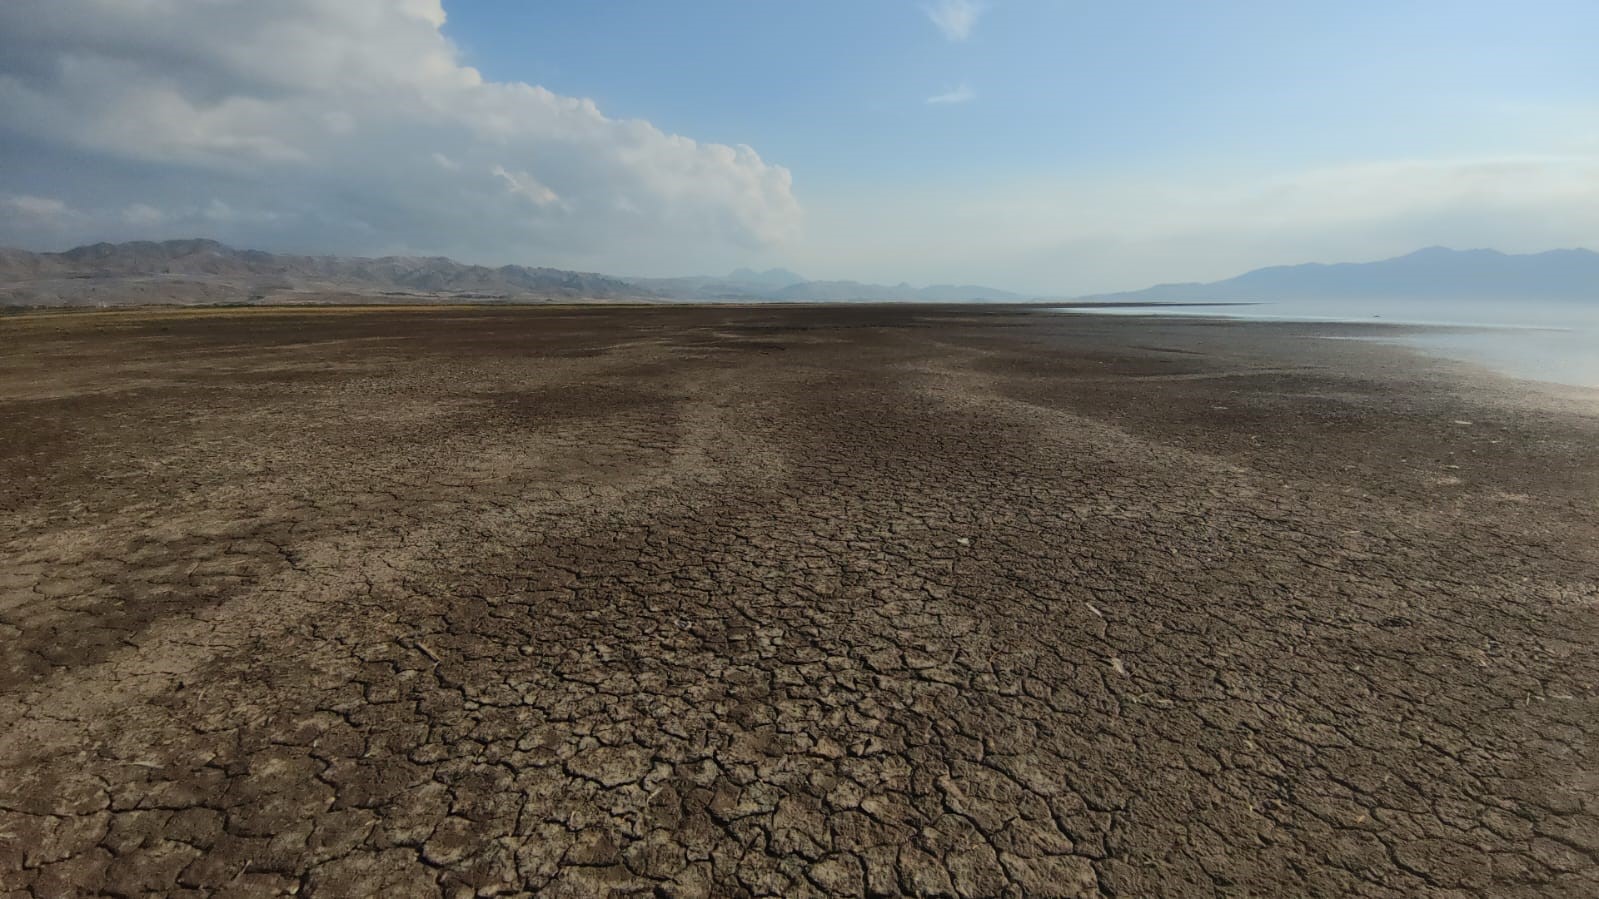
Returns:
<point x="786" y="602"/>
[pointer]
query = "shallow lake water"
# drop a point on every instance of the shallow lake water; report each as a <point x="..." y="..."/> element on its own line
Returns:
<point x="1556" y="342"/>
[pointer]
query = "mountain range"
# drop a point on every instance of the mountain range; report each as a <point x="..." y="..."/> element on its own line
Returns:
<point x="199" y="271"/>
<point x="205" y="271"/>
<point x="775" y="278"/>
<point x="1435" y="273"/>
<point x="781" y="285"/>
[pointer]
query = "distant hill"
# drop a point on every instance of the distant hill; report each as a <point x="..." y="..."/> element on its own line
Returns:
<point x="943" y="293"/>
<point x="1436" y="273"/>
<point x="707" y="287"/>
<point x="775" y="278"/>
<point x="204" y="271"/>
<point x="842" y="291"/>
<point x="744" y="284"/>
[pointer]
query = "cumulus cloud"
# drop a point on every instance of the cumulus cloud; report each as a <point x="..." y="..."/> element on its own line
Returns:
<point x="955" y="18"/>
<point x="347" y="125"/>
<point x="961" y="94"/>
<point x="47" y="217"/>
<point x="38" y="208"/>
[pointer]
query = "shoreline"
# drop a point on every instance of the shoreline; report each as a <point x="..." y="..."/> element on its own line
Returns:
<point x="1557" y="353"/>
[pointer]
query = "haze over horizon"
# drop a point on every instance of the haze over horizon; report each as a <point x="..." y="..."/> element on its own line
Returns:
<point x="1051" y="148"/>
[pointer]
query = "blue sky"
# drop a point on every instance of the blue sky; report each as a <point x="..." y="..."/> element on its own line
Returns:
<point x="835" y="90"/>
<point x="1168" y="90"/>
<point x="1080" y="146"/>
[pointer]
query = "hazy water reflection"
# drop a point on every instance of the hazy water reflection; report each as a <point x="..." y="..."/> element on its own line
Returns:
<point x="1557" y="342"/>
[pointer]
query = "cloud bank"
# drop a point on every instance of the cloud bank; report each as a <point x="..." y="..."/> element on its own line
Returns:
<point x="342" y="125"/>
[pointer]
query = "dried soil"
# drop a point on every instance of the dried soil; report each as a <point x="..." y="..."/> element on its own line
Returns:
<point x="786" y="601"/>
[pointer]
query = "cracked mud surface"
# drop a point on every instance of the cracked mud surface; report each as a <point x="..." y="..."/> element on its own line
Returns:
<point x="785" y="601"/>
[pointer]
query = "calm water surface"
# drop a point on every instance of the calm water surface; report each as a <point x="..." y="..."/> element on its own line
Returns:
<point x="1557" y="342"/>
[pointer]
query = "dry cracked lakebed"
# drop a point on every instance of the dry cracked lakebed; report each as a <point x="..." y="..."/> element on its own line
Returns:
<point x="786" y="602"/>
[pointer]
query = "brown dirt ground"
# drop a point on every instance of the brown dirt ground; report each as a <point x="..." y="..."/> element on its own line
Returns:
<point x="786" y="601"/>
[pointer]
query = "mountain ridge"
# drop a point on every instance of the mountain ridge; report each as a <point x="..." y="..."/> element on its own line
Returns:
<point x="1429" y="273"/>
<point x="778" y="278"/>
<point x="201" y="270"/>
<point x="804" y="291"/>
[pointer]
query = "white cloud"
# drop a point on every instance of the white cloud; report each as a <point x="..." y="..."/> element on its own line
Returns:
<point x="524" y="185"/>
<point x="351" y="126"/>
<point x="223" y="213"/>
<point x="955" y="18"/>
<point x="961" y="94"/>
<point x="47" y="218"/>
<point x="36" y="208"/>
<point x="138" y="214"/>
